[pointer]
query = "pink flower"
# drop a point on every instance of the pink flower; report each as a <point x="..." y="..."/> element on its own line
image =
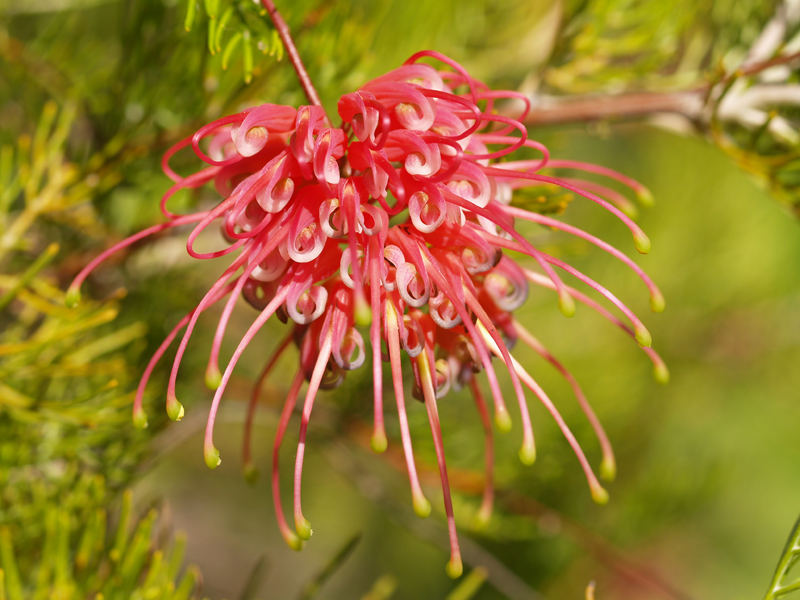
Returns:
<point x="306" y="211"/>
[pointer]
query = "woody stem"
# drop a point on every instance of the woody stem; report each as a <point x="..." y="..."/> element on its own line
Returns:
<point x="294" y="56"/>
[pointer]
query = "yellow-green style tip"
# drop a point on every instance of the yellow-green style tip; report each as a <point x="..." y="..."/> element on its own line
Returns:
<point x="657" y="303"/>
<point x="250" y="473"/>
<point x="630" y="211"/>
<point x="527" y="454"/>
<point x="661" y="373"/>
<point x="566" y="304"/>
<point x="645" y="196"/>
<point x="378" y="443"/>
<point x="363" y="313"/>
<point x="294" y="542"/>
<point x="642" y="242"/>
<point x="454" y="568"/>
<point x="608" y="468"/>
<point x="422" y="507"/>
<point x="174" y="408"/>
<point x="73" y="297"/>
<point x="643" y="336"/>
<point x="213" y="377"/>
<point x="481" y="520"/>
<point x="211" y="456"/>
<point x="502" y="420"/>
<point x="599" y="494"/>
<point x="139" y="419"/>
<point x="304" y="530"/>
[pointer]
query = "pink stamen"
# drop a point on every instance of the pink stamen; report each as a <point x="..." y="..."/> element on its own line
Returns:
<point x="485" y="511"/>
<point x="195" y="180"/>
<point x="659" y="367"/>
<point x="656" y="297"/>
<point x="528" y="451"/>
<point x="211" y="453"/>
<point x="204" y="303"/>
<point x="247" y="465"/>
<point x="598" y="493"/>
<point x="566" y="305"/>
<point x="184" y="143"/>
<point x="608" y="466"/>
<point x="275" y="239"/>
<point x="421" y="504"/>
<point x="502" y="418"/>
<point x="454" y="567"/>
<point x="600" y="170"/>
<point x="294" y="542"/>
<point x="138" y="413"/>
<point x="73" y="293"/>
<point x="378" y="442"/>
<point x="641" y="241"/>
<point x="302" y="525"/>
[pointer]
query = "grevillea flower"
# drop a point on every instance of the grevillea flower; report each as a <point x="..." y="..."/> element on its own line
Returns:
<point x="399" y="221"/>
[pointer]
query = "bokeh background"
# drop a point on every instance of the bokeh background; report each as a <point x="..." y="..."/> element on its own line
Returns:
<point x="708" y="485"/>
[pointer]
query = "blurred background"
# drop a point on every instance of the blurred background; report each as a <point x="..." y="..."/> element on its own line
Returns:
<point x="93" y="92"/>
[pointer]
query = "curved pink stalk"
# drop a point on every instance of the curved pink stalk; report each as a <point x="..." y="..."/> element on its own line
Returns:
<point x="74" y="292"/>
<point x="502" y="418"/>
<point x="139" y="418"/>
<point x="454" y="567"/>
<point x="302" y="525"/>
<point x="527" y="452"/>
<point x="421" y="504"/>
<point x="195" y="180"/>
<point x="173" y="406"/>
<point x="485" y="511"/>
<point x="565" y="303"/>
<point x="497" y="138"/>
<point x="212" y="370"/>
<point x="608" y="467"/>
<point x="598" y="493"/>
<point x="247" y="465"/>
<point x="656" y="297"/>
<point x="294" y="542"/>
<point x="641" y="191"/>
<point x="210" y="452"/>
<point x="378" y="442"/>
<point x="184" y="143"/>
<point x="660" y="370"/>
<point x="641" y="241"/>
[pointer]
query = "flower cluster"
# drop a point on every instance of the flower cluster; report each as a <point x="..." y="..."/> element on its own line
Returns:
<point x="398" y="221"/>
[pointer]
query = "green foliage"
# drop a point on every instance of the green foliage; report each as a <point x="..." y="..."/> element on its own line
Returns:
<point x="791" y="553"/>
<point x="617" y="45"/>
<point x="234" y="28"/>
<point x="77" y="559"/>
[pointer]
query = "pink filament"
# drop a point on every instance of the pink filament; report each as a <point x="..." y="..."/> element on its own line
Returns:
<point x="80" y="277"/>
<point x="251" y="332"/>
<point x="548" y="222"/>
<point x="137" y="403"/>
<point x="543" y="281"/>
<point x="313" y="388"/>
<point x="375" y="255"/>
<point x="251" y="407"/>
<point x="488" y="491"/>
<point x="540" y="393"/>
<point x="286" y="413"/>
<point x="393" y="343"/>
<point x="436" y="431"/>
<point x="537" y="347"/>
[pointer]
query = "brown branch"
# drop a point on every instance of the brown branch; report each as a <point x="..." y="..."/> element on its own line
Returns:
<point x="294" y="55"/>
<point x="555" y="111"/>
